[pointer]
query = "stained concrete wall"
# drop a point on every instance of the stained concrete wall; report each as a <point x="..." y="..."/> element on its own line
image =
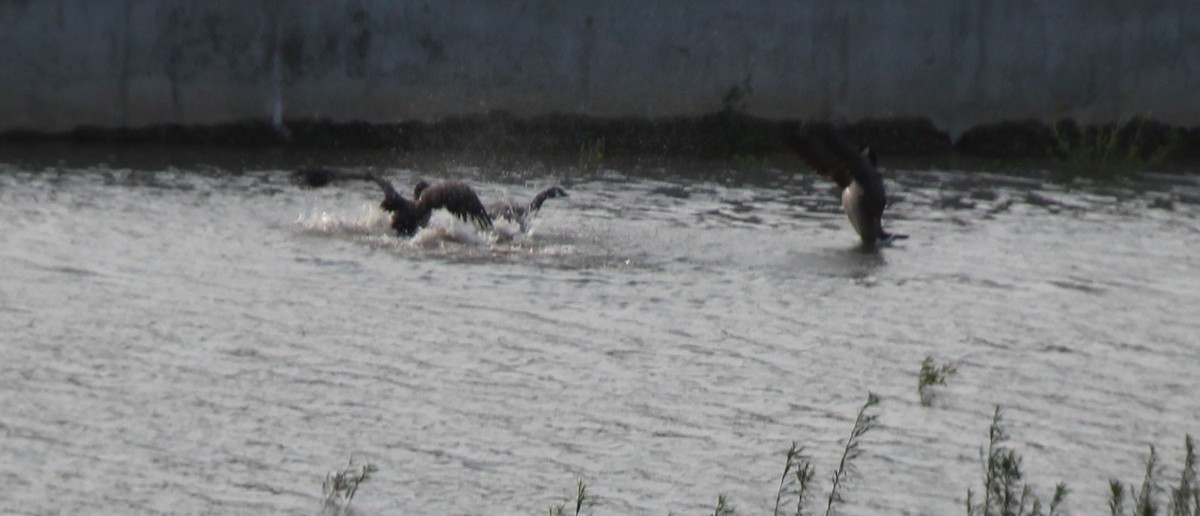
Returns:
<point x="136" y="62"/>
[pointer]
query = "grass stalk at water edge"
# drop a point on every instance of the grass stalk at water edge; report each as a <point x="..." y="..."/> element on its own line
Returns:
<point x="1184" y="499"/>
<point x="591" y="155"/>
<point x="862" y="424"/>
<point x="1118" y="149"/>
<point x="340" y="486"/>
<point x="1116" y="497"/>
<point x="1004" y="491"/>
<point x="582" y="501"/>
<point x="723" y="508"/>
<point x="1144" y="501"/>
<point x="798" y="473"/>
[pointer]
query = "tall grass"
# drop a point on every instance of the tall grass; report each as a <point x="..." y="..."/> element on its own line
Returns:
<point x="341" y="485"/>
<point x="1004" y="493"/>
<point x="862" y="424"/>
<point x="591" y="155"/>
<point x="1183" y="500"/>
<point x="582" y="501"/>
<point x="723" y="508"/>
<point x="1114" y="150"/>
<point x="799" y="472"/>
<point x="1004" y="490"/>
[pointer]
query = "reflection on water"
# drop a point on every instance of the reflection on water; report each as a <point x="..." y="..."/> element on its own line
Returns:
<point x="210" y="338"/>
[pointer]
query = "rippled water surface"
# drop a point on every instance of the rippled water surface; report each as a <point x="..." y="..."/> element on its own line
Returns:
<point x="212" y="339"/>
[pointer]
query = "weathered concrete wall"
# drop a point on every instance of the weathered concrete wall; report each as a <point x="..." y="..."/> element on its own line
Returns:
<point x="130" y="62"/>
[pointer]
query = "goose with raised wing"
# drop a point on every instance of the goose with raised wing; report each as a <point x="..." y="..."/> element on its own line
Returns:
<point x="863" y="194"/>
<point x="408" y="216"/>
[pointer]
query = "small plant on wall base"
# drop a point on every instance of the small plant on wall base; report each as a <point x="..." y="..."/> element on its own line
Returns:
<point x="1119" y="149"/>
<point x="591" y="156"/>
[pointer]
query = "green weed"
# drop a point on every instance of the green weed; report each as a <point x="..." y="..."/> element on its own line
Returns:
<point x="862" y="424"/>
<point x="1184" y="500"/>
<point x="723" y="508"/>
<point x="341" y="485"/>
<point x="932" y="374"/>
<point x="798" y="473"/>
<point x="591" y="155"/>
<point x="582" y="501"/>
<point x="1109" y="151"/>
<point x="1004" y="491"/>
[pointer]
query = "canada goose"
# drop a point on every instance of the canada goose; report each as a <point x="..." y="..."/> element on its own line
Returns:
<point x="409" y="216"/>
<point x="863" y="194"/>
<point x="521" y="213"/>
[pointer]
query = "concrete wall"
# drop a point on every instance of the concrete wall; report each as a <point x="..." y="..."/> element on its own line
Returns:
<point x="137" y="62"/>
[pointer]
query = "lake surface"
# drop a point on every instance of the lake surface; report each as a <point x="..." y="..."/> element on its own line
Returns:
<point x="206" y="337"/>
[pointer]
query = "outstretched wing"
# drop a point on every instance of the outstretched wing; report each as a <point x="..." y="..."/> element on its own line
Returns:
<point x="457" y="198"/>
<point x="823" y="149"/>
<point x="318" y="177"/>
<point x="392" y="200"/>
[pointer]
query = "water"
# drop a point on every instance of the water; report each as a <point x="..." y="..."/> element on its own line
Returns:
<point x="211" y="339"/>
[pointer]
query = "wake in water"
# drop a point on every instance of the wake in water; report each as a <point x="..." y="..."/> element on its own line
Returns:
<point x="444" y="235"/>
<point x="463" y="222"/>
<point x="454" y="197"/>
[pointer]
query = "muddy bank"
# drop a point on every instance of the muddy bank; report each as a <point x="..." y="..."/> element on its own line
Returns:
<point x="719" y="135"/>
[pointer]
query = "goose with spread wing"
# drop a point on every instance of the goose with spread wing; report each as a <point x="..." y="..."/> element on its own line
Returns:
<point x="409" y="216"/>
<point x="862" y="191"/>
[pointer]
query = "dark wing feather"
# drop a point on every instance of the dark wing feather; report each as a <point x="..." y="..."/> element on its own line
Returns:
<point x="457" y="198"/>
<point x="860" y="167"/>
<point x="392" y="200"/>
<point x="824" y="149"/>
<point x="820" y="146"/>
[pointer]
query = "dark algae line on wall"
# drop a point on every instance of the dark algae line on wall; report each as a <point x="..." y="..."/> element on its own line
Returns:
<point x="1135" y="143"/>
